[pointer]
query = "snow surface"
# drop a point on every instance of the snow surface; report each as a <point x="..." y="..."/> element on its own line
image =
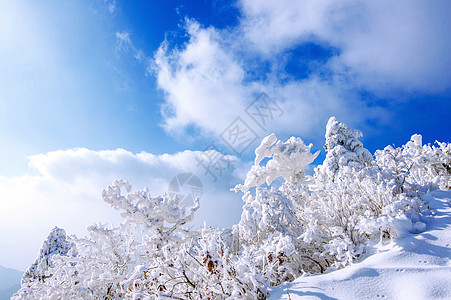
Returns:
<point x="416" y="266"/>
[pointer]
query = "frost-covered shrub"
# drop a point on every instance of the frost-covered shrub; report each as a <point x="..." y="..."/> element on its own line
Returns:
<point x="293" y="225"/>
<point x="315" y="224"/>
<point x="415" y="166"/>
<point x="149" y="256"/>
<point x="269" y="227"/>
<point x="354" y="199"/>
<point x="328" y="220"/>
<point x="343" y="215"/>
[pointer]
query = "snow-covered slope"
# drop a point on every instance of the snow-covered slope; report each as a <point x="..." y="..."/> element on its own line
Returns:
<point x="9" y="282"/>
<point x="417" y="266"/>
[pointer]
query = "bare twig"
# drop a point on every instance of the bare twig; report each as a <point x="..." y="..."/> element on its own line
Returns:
<point x="188" y="281"/>
<point x="288" y="293"/>
<point x="320" y="266"/>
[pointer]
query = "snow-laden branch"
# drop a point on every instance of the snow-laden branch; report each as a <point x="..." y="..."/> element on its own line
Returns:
<point x="140" y="208"/>
<point x="287" y="159"/>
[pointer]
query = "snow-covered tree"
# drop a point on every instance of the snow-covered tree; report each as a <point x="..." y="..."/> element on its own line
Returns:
<point x="288" y="160"/>
<point x="343" y="150"/>
<point x="269" y="226"/>
<point x="269" y="210"/>
<point x="149" y="256"/>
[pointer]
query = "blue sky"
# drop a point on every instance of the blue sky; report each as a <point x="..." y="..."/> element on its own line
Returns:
<point x="81" y="80"/>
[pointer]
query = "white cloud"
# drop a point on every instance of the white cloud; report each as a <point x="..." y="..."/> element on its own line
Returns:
<point x="400" y="44"/>
<point x="382" y="47"/>
<point x="125" y="47"/>
<point x="308" y="104"/>
<point x="65" y="190"/>
<point x="123" y="41"/>
<point x="274" y="26"/>
<point x="205" y="85"/>
<point x="203" y="82"/>
<point x="111" y="6"/>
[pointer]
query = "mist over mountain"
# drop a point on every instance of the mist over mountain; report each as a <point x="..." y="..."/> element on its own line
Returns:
<point x="9" y="282"/>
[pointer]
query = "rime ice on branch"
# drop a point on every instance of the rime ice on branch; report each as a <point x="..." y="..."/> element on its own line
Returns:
<point x="287" y="159"/>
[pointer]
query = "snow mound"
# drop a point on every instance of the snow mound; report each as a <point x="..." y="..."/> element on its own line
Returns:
<point x="416" y="266"/>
